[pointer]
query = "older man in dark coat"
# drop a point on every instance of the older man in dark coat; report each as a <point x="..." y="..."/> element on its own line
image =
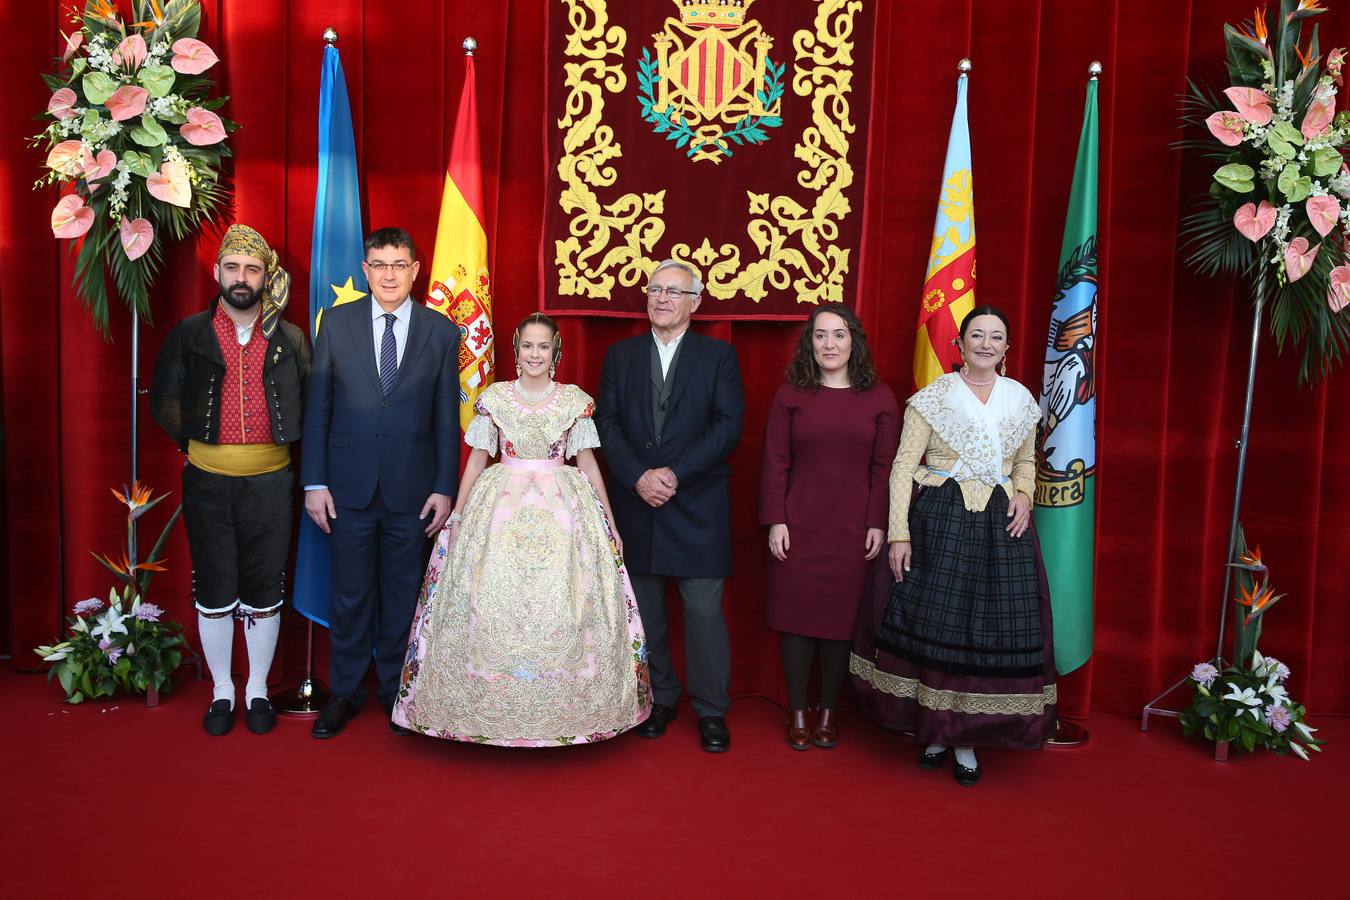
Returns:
<point x="669" y="413"/>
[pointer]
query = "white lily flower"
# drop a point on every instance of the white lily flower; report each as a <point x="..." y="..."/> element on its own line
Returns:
<point x="54" y="654"/>
<point x="1298" y="750"/>
<point x="1305" y="730"/>
<point x="80" y="625"/>
<point x="1246" y="696"/>
<point x="1277" y="694"/>
<point x="110" y="623"/>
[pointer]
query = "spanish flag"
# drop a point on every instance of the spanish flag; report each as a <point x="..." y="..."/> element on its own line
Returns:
<point x="949" y="283"/>
<point x="460" y="286"/>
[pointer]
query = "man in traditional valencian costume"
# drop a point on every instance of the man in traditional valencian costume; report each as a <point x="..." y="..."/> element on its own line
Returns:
<point x="228" y="389"/>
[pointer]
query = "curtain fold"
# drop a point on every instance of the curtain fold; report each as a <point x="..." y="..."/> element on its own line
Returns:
<point x="1172" y="355"/>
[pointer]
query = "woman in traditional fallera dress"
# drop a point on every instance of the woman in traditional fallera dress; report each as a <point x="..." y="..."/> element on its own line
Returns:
<point x="829" y="442"/>
<point x="960" y="652"/>
<point x="527" y="633"/>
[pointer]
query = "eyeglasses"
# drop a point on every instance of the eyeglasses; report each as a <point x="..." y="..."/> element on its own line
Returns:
<point x="655" y="290"/>
<point x="398" y="268"/>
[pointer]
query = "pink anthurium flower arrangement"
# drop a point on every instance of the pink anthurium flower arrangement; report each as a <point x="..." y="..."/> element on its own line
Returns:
<point x="1279" y="205"/>
<point x="1254" y="221"/>
<point x="203" y="127"/>
<point x="146" y="163"/>
<point x="71" y="218"/>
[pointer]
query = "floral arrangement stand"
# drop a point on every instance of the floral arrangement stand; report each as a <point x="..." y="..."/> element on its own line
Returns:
<point x="134" y="143"/>
<point x="124" y="644"/>
<point x="1245" y="703"/>
<point x="1276" y="212"/>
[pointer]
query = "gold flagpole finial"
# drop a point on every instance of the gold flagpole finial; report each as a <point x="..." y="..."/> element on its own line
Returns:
<point x="964" y="66"/>
<point x="469" y="45"/>
<point x="1094" y="69"/>
<point x="330" y="36"/>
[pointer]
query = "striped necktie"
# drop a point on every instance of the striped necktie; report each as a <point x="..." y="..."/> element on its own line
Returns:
<point x="388" y="356"/>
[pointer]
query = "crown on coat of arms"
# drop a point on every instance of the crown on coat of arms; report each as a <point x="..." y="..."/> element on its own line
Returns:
<point x="718" y="13"/>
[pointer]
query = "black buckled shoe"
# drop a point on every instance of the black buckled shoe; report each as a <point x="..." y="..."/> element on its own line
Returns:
<point x="337" y="712"/>
<point x="261" y="716"/>
<point x="966" y="777"/>
<point x="713" y="735"/>
<point x="655" y="726"/>
<point x="932" y="761"/>
<point x="219" y="718"/>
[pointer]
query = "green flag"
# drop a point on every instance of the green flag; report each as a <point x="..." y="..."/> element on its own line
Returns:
<point x="1066" y="449"/>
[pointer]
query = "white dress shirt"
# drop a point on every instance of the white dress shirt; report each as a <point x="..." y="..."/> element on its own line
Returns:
<point x="666" y="352"/>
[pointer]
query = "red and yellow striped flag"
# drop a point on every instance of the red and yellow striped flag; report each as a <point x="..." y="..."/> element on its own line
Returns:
<point x="461" y="287"/>
<point x="949" y="283"/>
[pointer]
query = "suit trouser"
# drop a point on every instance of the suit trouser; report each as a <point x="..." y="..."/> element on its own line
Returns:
<point x="379" y="558"/>
<point x="707" y="648"/>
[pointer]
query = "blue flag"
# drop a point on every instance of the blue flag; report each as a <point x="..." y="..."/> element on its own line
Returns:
<point x="335" y="277"/>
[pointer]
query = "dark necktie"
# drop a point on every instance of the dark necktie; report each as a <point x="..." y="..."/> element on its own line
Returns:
<point x="388" y="356"/>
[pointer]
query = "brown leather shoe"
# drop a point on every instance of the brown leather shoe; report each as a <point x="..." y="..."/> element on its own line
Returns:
<point x="798" y="731"/>
<point x="826" y="733"/>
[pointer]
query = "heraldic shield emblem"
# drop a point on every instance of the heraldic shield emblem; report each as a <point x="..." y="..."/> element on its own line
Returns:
<point x="710" y="85"/>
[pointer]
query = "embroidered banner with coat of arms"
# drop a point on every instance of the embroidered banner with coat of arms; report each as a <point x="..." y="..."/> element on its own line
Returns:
<point x="729" y="134"/>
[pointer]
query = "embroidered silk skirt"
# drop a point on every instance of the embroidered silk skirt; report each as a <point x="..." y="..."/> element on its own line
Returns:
<point x="526" y="633"/>
<point x="960" y="652"/>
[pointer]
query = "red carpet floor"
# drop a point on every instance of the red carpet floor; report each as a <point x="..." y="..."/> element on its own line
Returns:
<point x="113" y="800"/>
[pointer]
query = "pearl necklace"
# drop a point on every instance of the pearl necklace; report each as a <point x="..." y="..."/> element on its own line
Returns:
<point x="533" y="399"/>
<point x="973" y="383"/>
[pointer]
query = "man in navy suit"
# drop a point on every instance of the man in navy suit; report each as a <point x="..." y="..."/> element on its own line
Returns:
<point x="669" y="414"/>
<point x="381" y="445"/>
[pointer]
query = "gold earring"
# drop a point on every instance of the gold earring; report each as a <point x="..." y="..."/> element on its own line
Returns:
<point x="1003" y="366"/>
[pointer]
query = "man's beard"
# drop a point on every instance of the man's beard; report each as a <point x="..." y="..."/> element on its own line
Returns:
<point x="240" y="296"/>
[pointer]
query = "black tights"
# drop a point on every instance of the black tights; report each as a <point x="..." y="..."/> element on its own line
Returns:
<point x="798" y="651"/>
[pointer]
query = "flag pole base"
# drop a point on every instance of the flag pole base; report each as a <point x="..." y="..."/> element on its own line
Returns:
<point x="305" y="699"/>
<point x="309" y="696"/>
<point x="1068" y="736"/>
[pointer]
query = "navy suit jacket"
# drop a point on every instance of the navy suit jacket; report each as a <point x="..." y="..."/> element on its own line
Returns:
<point x="690" y="535"/>
<point x="355" y="438"/>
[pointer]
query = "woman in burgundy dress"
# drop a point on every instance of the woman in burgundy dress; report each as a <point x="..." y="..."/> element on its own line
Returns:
<point x="829" y="442"/>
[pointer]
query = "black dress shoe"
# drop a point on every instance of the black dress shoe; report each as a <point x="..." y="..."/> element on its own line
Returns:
<point x="261" y="716"/>
<point x="713" y="735"/>
<point x="966" y="777"/>
<point x="219" y="718"/>
<point x="655" y="726"/>
<point x="931" y="761"/>
<point x="337" y="712"/>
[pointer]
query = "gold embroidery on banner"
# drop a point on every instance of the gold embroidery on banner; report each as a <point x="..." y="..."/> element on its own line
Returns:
<point x="952" y="701"/>
<point x="610" y="239"/>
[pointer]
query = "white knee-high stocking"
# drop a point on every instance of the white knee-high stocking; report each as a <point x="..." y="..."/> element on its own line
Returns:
<point x="217" y="636"/>
<point x="261" y="636"/>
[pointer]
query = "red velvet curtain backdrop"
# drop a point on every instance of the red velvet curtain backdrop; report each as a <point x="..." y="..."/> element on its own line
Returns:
<point x="1173" y="350"/>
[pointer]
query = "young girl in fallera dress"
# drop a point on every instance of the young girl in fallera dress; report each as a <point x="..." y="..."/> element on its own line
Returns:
<point x="527" y="633"/>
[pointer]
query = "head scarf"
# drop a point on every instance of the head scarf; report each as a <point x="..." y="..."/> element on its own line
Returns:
<point x="240" y="240"/>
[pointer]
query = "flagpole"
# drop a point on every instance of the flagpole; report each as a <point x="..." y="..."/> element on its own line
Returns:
<point x="307" y="698"/>
<point x="1071" y="735"/>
